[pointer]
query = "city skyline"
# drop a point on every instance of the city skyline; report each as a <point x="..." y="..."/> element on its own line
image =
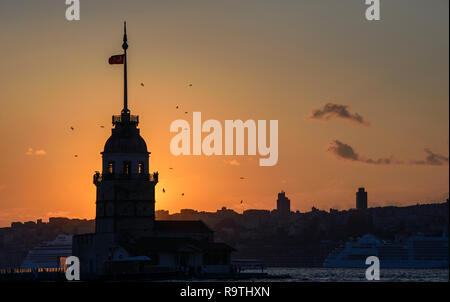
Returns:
<point x="160" y="214"/>
<point x="360" y="110"/>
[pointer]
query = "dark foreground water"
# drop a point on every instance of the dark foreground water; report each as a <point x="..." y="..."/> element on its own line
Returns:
<point x="355" y="275"/>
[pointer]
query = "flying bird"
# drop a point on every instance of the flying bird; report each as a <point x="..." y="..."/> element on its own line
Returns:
<point x="190" y="84"/>
<point x="185" y="112"/>
<point x="102" y="126"/>
<point x="176" y="107"/>
<point x="170" y="168"/>
<point x="182" y="194"/>
<point x="242" y="177"/>
<point x="164" y="190"/>
<point x="142" y="84"/>
<point x="75" y="155"/>
<point x="72" y="128"/>
<point x="242" y="201"/>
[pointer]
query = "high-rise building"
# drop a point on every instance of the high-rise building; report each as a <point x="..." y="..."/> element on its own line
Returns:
<point x="361" y="199"/>
<point x="283" y="203"/>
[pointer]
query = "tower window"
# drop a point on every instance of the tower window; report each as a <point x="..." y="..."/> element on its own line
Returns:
<point x="127" y="168"/>
<point x="111" y="167"/>
<point x="141" y="168"/>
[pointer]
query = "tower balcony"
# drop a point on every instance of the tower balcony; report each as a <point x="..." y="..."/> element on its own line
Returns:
<point x="125" y="118"/>
<point x="99" y="177"/>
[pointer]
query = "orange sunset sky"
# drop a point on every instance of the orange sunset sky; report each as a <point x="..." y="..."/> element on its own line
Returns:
<point x="253" y="59"/>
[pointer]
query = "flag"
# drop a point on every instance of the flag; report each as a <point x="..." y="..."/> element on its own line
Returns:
<point x="117" y="59"/>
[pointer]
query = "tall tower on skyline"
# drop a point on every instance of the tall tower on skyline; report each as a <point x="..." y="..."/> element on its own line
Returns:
<point x="125" y="203"/>
<point x="283" y="204"/>
<point x="361" y="199"/>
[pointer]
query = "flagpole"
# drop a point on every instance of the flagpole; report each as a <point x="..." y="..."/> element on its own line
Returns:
<point x="125" y="92"/>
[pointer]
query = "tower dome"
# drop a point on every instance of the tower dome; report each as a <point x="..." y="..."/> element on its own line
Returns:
<point x="125" y="144"/>
<point x="125" y="138"/>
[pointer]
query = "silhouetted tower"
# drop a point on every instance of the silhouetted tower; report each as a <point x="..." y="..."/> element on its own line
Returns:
<point x="283" y="203"/>
<point x="125" y="189"/>
<point x="361" y="199"/>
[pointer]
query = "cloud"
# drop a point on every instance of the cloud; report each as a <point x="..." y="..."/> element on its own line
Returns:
<point x="344" y="151"/>
<point x="383" y="161"/>
<point x="40" y="152"/>
<point x="331" y="110"/>
<point x="433" y="159"/>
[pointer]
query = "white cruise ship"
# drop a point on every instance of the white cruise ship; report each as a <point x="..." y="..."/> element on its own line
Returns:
<point x="51" y="254"/>
<point x="416" y="252"/>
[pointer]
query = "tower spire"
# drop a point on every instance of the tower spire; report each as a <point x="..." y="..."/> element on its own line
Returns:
<point x="125" y="92"/>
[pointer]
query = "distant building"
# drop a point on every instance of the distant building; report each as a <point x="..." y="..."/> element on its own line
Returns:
<point x="256" y="212"/>
<point x="226" y="212"/>
<point x="283" y="203"/>
<point x="333" y="211"/>
<point x="58" y="220"/>
<point x="188" y="212"/>
<point x="16" y="224"/>
<point x="361" y="199"/>
<point x="162" y="214"/>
